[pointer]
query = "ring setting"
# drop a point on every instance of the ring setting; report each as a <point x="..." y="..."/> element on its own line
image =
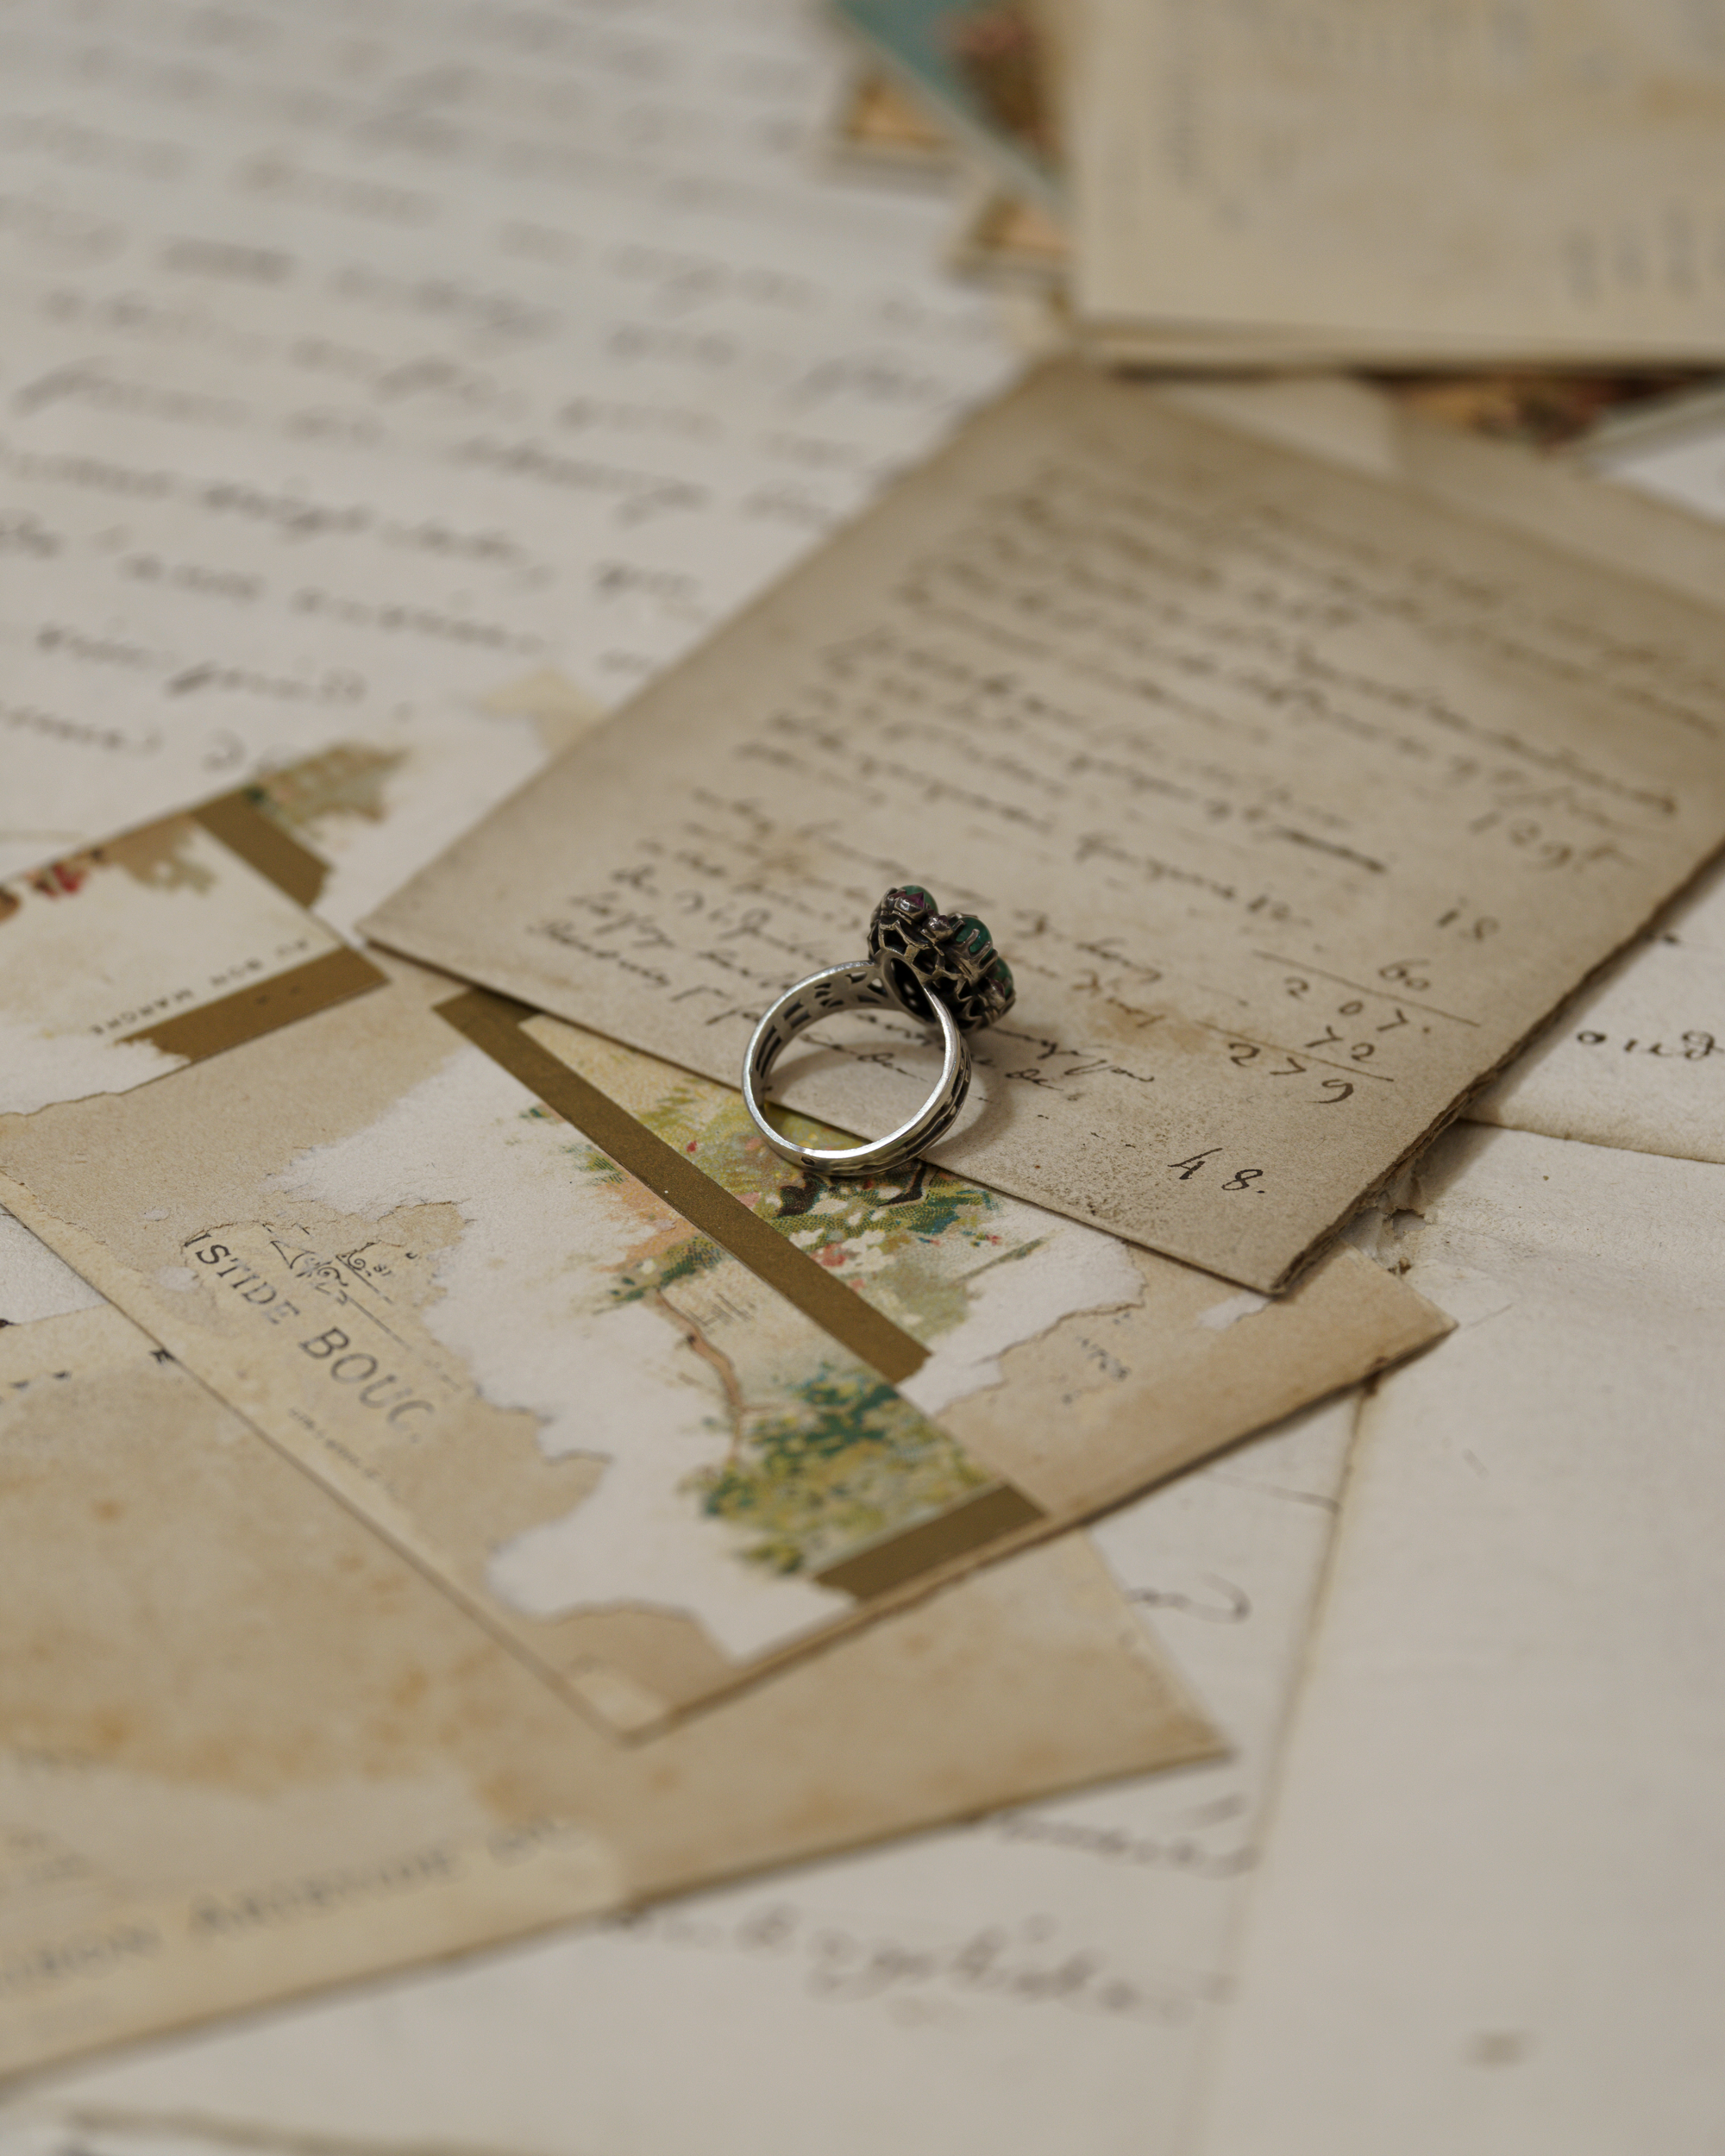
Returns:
<point x="924" y="954"/>
<point x="940" y="969"/>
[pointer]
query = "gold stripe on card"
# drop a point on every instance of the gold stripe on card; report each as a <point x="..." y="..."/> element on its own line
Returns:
<point x="493" y="1023"/>
<point x="249" y="1013"/>
<point x="263" y="845"/>
<point x="988" y="1517"/>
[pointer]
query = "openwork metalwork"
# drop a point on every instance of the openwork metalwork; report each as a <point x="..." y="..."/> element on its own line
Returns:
<point x="939" y="967"/>
<point x="926" y="956"/>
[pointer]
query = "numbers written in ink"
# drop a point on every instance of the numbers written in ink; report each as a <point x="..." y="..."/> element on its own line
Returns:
<point x="1285" y="1063"/>
<point x="1222" y="1176"/>
<point x="1359" y="1038"/>
<point x="1536" y="845"/>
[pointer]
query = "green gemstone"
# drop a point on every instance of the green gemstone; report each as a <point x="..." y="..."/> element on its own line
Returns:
<point x="1002" y="973"/>
<point x="973" y="936"/>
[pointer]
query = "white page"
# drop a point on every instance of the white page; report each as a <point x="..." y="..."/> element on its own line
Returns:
<point x="1491" y="1918"/>
<point x="1640" y="1061"/>
<point x="354" y="375"/>
<point x="1040" y="1980"/>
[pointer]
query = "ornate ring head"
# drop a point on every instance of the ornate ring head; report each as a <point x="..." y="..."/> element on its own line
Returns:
<point x="923" y="954"/>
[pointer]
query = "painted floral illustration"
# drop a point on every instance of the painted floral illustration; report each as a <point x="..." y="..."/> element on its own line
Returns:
<point x="824" y="1455"/>
<point x="846" y="1461"/>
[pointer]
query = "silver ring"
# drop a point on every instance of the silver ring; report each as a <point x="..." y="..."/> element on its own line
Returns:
<point x="940" y="968"/>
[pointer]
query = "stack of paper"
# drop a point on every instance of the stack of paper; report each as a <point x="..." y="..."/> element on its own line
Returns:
<point x="461" y="1482"/>
<point x="546" y="1410"/>
<point x="1242" y="190"/>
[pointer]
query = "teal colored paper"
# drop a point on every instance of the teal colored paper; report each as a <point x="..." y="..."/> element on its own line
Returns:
<point x="917" y="41"/>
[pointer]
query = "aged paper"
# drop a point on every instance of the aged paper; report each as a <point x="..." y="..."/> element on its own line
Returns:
<point x="1636" y="1060"/>
<point x="353" y="375"/>
<point x="653" y="1437"/>
<point x="1293" y="802"/>
<point x="1639" y="1063"/>
<point x="217" y="1788"/>
<point x="158" y="947"/>
<point x="1639" y="1060"/>
<point x="1384" y="181"/>
<point x="1043" y="1978"/>
<point x="1490" y="1915"/>
<point x="33" y="1283"/>
<point x="1557" y="500"/>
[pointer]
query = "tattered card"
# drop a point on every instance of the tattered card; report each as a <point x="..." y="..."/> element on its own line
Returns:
<point x="656" y="1427"/>
<point x="160" y="947"/>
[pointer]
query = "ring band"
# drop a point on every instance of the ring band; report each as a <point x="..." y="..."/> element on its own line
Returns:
<point x="853" y="988"/>
<point x="941" y="969"/>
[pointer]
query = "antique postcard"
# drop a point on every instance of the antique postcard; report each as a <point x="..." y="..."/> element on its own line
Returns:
<point x="1295" y="802"/>
<point x="652" y="1407"/>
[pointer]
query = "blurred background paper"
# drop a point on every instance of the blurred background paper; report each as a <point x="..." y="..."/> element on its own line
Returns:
<point x="1491" y="1917"/>
<point x="982" y="70"/>
<point x="1395" y="184"/>
<point x="355" y="373"/>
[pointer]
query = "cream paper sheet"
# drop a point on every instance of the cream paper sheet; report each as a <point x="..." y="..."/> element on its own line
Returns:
<point x="1295" y="803"/>
<point x="651" y="1441"/>
<point x="1634" y="1061"/>
<point x="1490" y="1913"/>
<point x="33" y="1283"/>
<point x="1376" y="182"/>
<point x="246" y="1751"/>
<point x="1042" y="1978"/>
<point x="354" y="377"/>
<point x="1640" y="1061"/>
